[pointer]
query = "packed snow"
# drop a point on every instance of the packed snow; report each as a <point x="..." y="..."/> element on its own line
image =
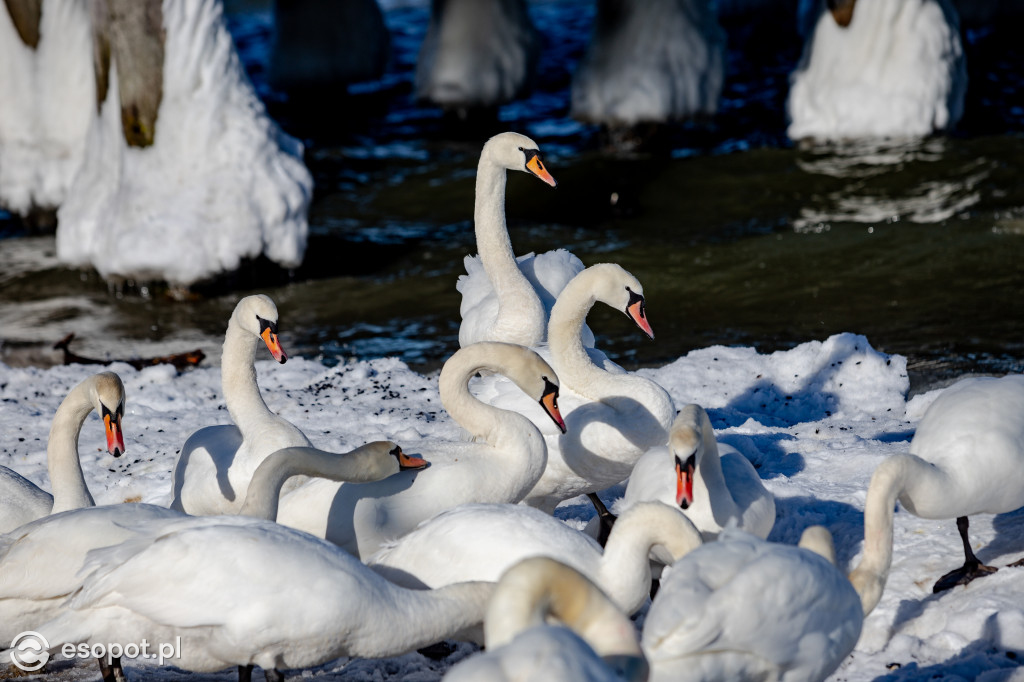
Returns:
<point x="815" y="421"/>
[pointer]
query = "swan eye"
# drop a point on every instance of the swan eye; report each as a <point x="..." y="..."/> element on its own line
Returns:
<point x="522" y="150"/>
<point x="397" y="451"/>
<point x="267" y="324"/>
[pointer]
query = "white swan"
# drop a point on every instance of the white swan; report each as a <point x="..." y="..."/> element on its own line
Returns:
<point x="964" y="459"/>
<point x="502" y="468"/>
<point x="879" y="68"/>
<point x="591" y="640"/>
<point x="477" y="54"/>
<point x="743" y="608"/>
<point x="216" y="462"/>
<point x="21" y="500"/>
<point x="44" y="562"/>
<point x="504" y="299"/>
<point x="650" y="61"/>
<point x="481" y="541"/>
<point x="715" y="489"/>
<point x="612" y="416"/>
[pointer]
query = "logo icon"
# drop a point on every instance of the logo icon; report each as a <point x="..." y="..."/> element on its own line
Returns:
<point x="29" y="651"/>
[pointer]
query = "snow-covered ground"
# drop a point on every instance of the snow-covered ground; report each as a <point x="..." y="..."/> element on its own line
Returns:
<point x="815" y="420"/>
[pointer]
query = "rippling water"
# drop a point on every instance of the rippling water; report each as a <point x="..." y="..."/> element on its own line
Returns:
<point x="738" y="237"/>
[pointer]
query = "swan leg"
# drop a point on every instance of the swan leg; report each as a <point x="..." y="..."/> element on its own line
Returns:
<point x="245" y="673"/>
<point x="113" y="672"/>
<point x="437" y="652"/>
<point x="274" y="675"/>
<point x="971" y="569"/>
<point x="606" y="518"/>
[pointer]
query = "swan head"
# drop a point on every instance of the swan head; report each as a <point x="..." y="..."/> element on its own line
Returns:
<point x="405" y="462"/>
<point x="615" y="287"/>
<point x="842" y="11"/>
<point x="686" y="442"/>
<point x="107" y="394"/>
<point x="517" y="152"/>
<point x="258" y="315"/>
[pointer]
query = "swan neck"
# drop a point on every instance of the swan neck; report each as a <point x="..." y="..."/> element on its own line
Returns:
<point x="479" y="419"/>
<point x="888" y="483"/>
<point x="238" y="379"/>
<point x="62" y="461"/>
<point x="709" y="487"/>
<point x="264" y="492"/>
<point x="572" y="364"/>
<point x="423" y="617"/>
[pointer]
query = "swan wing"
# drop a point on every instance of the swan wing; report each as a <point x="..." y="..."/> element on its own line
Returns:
<point x="21" y="500"/>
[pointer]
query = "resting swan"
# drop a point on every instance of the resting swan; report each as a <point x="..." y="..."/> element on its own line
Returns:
<point x="505" y="299"/>
<point x="216" y="462"/>
<point x="612" y="416"/>
<point x="650" y="61"/>
<point x="879" y="68"/>
<point x="591" y="640"/>
<point x="965" y="459"/>
<point x="715" y="490"/>
<point x="83" y="551"/>
<point x="21" y="500"/>
<point x="501" y="468"/>
<point x="480" y="541"/>
<point x="745" y="609"/>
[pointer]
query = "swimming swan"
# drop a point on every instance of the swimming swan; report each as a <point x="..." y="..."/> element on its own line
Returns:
<point x="21" y="500"/>
<point x="743" y="608"/>
<point x="714" y="489"/>
<point x="590" y="640"/>
<point x="501" y="468"/>
<point x="216" y="462"/>
<point x="964" y="459"/>
<point x="481" y="541"/>
<point x="505" y="299"/>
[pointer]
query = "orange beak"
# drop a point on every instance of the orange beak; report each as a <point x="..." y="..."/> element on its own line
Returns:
<point x="408" y="461"/>
<point x="536" y="166"/>
<point x="684" y="482"/>
<point x="549" y="401"/>
<point x="842" y="11"/>
<point x="273" y="345"/>
<point x="636" y="310"/>
<point x="115" y="436"/>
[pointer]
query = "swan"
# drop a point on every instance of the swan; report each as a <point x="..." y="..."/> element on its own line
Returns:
<point x="964" y="459"/>
<point x="592" y="641"/>
<point x="714" y="485"/>
<point x="22" y="501"/>
<point x="477" y="54"/>
<point x="44" y="562"/>
<point x="879" y="68"/>
<point x="505" y="299"/>
<point x="612" y="416"/>
<point x="743" y="608"/>
<point x="501" y="468"/>
<point x="650" y="61"/>
<point x="216" y="462"/>
<point x="485" y="539"/>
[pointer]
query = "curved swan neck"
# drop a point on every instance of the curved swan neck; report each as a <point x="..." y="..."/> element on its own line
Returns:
<point x="417" y="618"/>
<point x="476" y="417"/>
<point x="63" y="464"/>
<point x="625" y="567"/>
<point x="496" y="254"/>
<point x="888" y="483"/>
<point x="264" y="492"/>
<point x="565" y="326"/>
<point x="238" y="378"/>
<point x="709" y="484"/>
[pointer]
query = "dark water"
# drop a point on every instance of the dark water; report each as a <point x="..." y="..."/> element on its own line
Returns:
<point x="738" y="237"/>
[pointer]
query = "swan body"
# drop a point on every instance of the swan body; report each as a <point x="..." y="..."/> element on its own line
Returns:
<point x="590" y="640"/>
<point x="650" y="61"/>
<point x="501" y="465"/>
<point x="216" y="462"/>
<point x="964" y="459"/>
<point x="612" y="416"/>
<point x="502" y="299"/>
<point x="477" y="54"/>
<point x="265" y="595"/>
<point x="486" y="539"/>
<point x="896" y="70"/>
<point x="719" y="488"/>
<point x="743" y="608"/>
<point x="41" y="563"/>
<point x="21" y="500"/>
